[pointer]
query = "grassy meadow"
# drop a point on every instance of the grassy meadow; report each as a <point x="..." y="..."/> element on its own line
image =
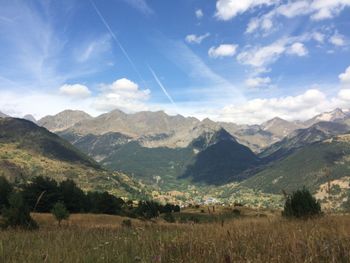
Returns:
<point x="252" y="237"/>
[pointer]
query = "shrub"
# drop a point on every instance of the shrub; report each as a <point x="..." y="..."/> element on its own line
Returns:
<point x="169" y="218"/>
<point x="17" y="214"/>
<point x="60" y="212"/>
<point x="236" y="212"/>
<point x="301" y="204"/>
<point x="126" y="223"/>
<point x="5" y="190"/>
<point x="176" y="208"/>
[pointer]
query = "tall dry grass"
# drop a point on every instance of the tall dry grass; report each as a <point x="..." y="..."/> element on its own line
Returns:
<point x="91" y="238"/>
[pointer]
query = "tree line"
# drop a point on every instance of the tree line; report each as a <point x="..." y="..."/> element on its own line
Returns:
<point x="43" y="193"/>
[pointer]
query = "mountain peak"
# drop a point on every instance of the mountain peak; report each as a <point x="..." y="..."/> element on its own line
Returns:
<point x="280" y="127"/>
<point x="29" y="117"/>
<point x="208" y="138"/>
<point x="63" y="120"/>
<point x="3" y="115"/>
<point x="334" y="115"/>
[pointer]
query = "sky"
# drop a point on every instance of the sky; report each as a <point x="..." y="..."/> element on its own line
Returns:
<point x="243" y="61"/>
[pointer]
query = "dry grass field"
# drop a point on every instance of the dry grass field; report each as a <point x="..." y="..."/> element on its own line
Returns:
<point x="102" y="238"/>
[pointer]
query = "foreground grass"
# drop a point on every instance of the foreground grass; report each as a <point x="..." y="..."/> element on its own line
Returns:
<point x="97" y="238"/>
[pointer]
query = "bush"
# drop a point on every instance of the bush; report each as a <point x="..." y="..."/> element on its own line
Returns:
<point x="126" y="223"/>
<point x="5" y="191"/>
<point x="60" y="212"/>
<point x="169" y="218"/>
<point x="17" y="214"/>
<point x="236" y="212"/>
<point x="301" y="204"/>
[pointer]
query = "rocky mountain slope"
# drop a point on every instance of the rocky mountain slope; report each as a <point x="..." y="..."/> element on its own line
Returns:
<point x="63" y="120"/>
<point x="331" y="116"/>
<point x="157" y="129"/>
<point x="29" y="117"/>
<point x="3" y="115"/>
<point x="302" y="137"/>
<point x="280" y="127"/>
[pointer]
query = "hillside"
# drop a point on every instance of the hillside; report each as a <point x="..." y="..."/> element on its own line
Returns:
<point x="27" y="150"/>
<point x="302" y="137"/>
<point x="166" y="167"/>
<point x="308" y="167"/>
<point x="221" y="159"/>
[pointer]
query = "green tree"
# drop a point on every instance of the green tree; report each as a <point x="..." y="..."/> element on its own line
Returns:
<point x="41" y="194"/>
<point x="72" y="196"/>
<point x="60" y="212"/>
<point x="17" y="214"/>
<point x="5" y="190"/>
<point x="301" y="204"/>
<point x="148" y="209"/>
<point x="105" y="203"/>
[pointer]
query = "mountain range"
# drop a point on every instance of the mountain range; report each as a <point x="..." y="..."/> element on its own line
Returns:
<point x="174" y="152"/>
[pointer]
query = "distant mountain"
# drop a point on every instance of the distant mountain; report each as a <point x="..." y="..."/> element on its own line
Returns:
<point x="157" y="129"/>
<point x="220" y="159"/>
<point x="27" y="150"/>
<point x="30" y="117"/>
<point x="332" y="116"/>
<point x="252" y="136"/>
<point x="3" y="115"/>
<point x="302" y="137"/>
<point x="306" y="167"/>
<point x="63" y="120"/>
<point x="98" y="147"/>
<point x="165" y="166"/>
<point x="280" y="127"/>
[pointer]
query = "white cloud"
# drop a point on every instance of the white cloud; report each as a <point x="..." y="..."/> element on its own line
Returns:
<point x="261" y="57"/>
<point x="257" y="82"/>
<point x="75" y="91"/>
<point x="199" y="13"/>
<point x="345" y="77"/>
<point x="122" y="94"/>
<point x="298" y="49"/>
<point x="194" y="39"/>
<point x="140" y="5"/>
<point x="316" y="9"/>
<point x="93" y="49"/>
<point x="255" y="111"/>
<point x="224" y="50"/>
<point x="344" y="94"/>
<point x="227" y="9"/>
<point x="325" y="9"/>
<point x="337" y="40"/>
<point x="319" y="37"/>
<point x="40" y="104"/>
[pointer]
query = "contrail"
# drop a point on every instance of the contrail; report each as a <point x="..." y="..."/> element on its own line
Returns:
<point x="162" y="87"/>
<point x="117" y="41"/>
<point x="128" y="57"/>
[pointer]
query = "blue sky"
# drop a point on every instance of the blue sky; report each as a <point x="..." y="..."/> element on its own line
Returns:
<point x="243" y="61"/>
